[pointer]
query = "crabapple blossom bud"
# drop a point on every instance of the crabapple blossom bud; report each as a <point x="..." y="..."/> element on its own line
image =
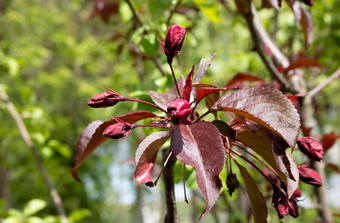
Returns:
<point x="280" y="202"/>
<point x="119" y="130"/>
<point x="179" y="109"/>
<point x="311" y="147"/>
<point x="173" y="41"/>
<point x="105" y="99"/>
<point x="309" y="176"/>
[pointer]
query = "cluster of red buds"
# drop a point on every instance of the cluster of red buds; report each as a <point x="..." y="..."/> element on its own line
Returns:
<point x="178" y="109"/>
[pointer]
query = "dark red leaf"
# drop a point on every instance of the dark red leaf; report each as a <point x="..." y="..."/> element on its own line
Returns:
<point x="302" y="62"/>
<point x="303" y="18"/>
<point x="262" y="146"/>
<point x="307" y="27"/>
<point x="294" y="98"/>
<point x="163" y="100"/>
<point x="201" y="146"/>
<point x="188" y="85"/>
<point x="205" y="91"/>
<point x="328" y="140"/>
<point x="274" y="3"/>
<point x="92" y="136"/>
<point x="333" y="167"/>
<point x="286" y="164"/>
<point x="146" y="155"/>
<point x="240" y="78"/>
<point x="266" y="106"/>
<point x="258" y="204"/>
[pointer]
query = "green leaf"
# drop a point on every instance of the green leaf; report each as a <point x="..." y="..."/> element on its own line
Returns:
<point x="12" y="219"/>
<point x="34" y="206"/>
<point x="158" y="7"/>
<point x="149" y="45"/>
<point x="210" y="9"/>
<point x="34" y="219"/>
<point x="136" y="37"/>
<point x="79" y="214"/>
<point x="258" y="204"/>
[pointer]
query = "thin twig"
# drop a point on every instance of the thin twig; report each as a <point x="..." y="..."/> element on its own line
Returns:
<point x="172" y="11"/>
<point x="159" y="66"/>
<point x="318" y="88"/>
<point x="135" y="15"/>
<point x="26" y="137"/>
<point x="252" y="21"/>
<point x="184" y="189"/>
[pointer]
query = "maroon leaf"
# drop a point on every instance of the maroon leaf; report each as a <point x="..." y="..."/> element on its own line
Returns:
<point x="240" y="78"/>
<point x="261" y="146"/>
<point x="333" y="167"/>
<point x="203" y="91"/>
<point x="328" y="140"/>
<point x="201" y="146"/>
<point x="146" y="155"/>
<point x="163" y="100"/>
<point x="302" y="62"/>
<point x="303" y="18"/>
<point x="188" y="85"/>
<point x="307" y="27"/>
<point x="286" y="164"/>
<point x="92" y="136"/>
<point x="274" y="3"/>
<point x="266" y="106"/>
<point x="258" y="204"/>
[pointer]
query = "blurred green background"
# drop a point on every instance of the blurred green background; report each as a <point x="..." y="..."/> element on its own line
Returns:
<point x="56" y="54"/>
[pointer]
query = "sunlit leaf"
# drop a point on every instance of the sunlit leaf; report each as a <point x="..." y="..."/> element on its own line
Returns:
<point x="146" y="155"/>
<point x="256" y="198"/>
<point x="34" y="206"/>
<point x="210" y="9"/>
<point x="92" y="137"/>
<point x="201" y="146"/>
<point x="266" y="106"/>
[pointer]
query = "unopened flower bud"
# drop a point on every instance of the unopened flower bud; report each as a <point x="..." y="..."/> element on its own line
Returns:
<point x="119" y="130"/>
<point x="179" y="109"/>
<point x="232" y="183"/>
<point x="309" y="176"/>
<point x="105" y="99"/>
<point x="280" y="202"/>
<point x="173" y="41"/>
<point x="311" y="147"/>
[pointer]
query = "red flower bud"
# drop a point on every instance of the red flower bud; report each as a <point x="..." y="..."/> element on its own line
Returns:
<point x="280" y="202"/>
<point x="119" y="130"/>
<point x="309" y="176"/>
<point x="311" y="147"/>
<point x="179" y="109"/>
<point x="283" y="205"/>
<point x="173" y="41"/>
<point x="105" y="99"/>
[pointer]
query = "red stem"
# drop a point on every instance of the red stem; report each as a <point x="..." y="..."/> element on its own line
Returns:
<point x="173" y="75"/>
<point x="147" y="103"/>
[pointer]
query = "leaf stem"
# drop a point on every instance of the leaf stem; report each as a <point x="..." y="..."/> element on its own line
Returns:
<point x="153" y="126"/>
<point x="145" y="102"/>
<point x="173" y="75"/>
<point x="258" y="159"/>
<point x="251" y="163"/>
